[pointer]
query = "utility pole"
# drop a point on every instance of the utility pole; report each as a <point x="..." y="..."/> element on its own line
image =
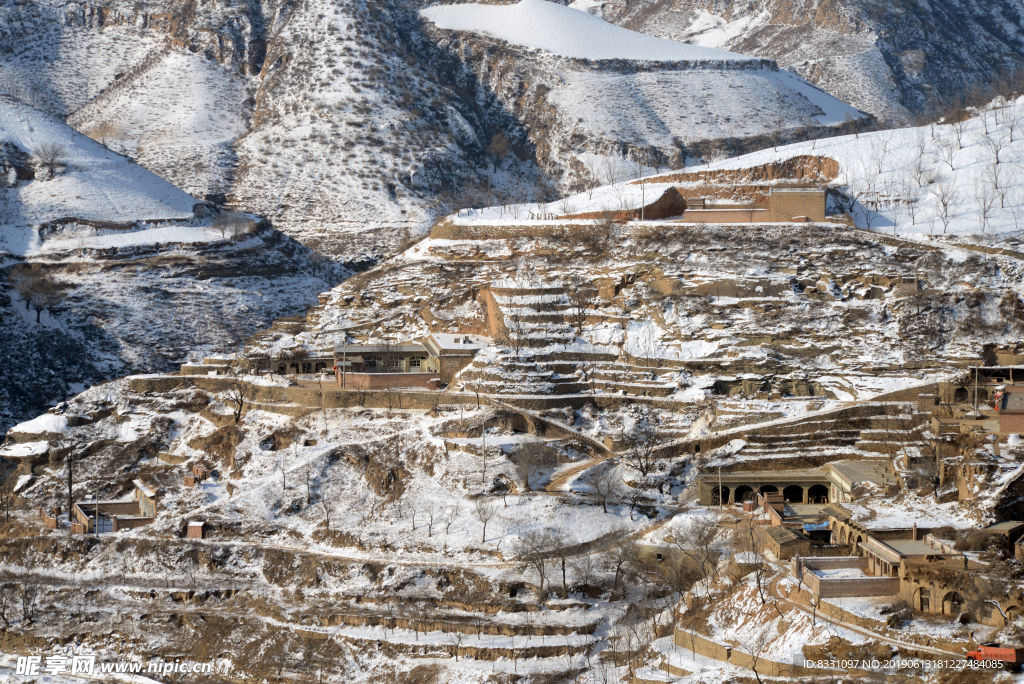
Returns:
<point x="344" y="361"/>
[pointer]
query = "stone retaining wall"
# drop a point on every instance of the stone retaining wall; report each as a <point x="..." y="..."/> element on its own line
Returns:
<point x="713" y="649"/>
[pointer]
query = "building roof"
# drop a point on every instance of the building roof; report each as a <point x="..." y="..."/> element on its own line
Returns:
<point x="463" y="344"/>
<point x="1012" y="402"/>
<point x="196" y="524"/>
<point x="144" y="488"/>
<point x="781" y="535"/>
<point x="894" y="550"/>
<point x="1006" y="526"/>
<point x="852" y="472"/>
<point x="764" y="476"/>
<point x="380" y="348"/>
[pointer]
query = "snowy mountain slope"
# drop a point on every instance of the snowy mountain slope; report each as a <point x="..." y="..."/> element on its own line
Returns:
<point x="97" y="185"/>
<point x="143" y="281"/>
<point x="881" y="57"/>
<point x="567" y="32"/>
<point x="937" y="180"/>
<point x="144" y="302"/>
<point x="351" y="125"/>
<point x="179" y="117"/>
<point x="656" y="113"/>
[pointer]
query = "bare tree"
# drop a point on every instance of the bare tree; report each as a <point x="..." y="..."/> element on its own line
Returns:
<point x="326" y="496"/>
<point x="947" y="195"/>
<point x="1013" y="117"/>
<point x="607" y="485"/>
<point x="755" y="644"/>
<point x="621" y="558"/>
<point x="449" y="516"/>
<point x="747" y="544"/>
<point x="640" y="449"/>
<point x="528" y="458"/>
<point x="239" y="393"/>
<point x="986" y="203"/>
<point x="948" y="153"/>
<point x="995" y="144"/>
<point x="7" y="496"/>
<point x="7" y="600"/>
<point x="29" y="593"/>
<point x="514" y="332"/>
<point x="51" y="156"/>
<point x="432" y="514"/>
<point x="959" y="127"/>
<point x="534" y="548"/>
<point x="581" y="295"/>
<point x="696" y="540"/>
<point x="485" y="511"/>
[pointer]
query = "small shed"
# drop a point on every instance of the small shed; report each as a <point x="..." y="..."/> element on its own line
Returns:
<point x="196" y="530"/>
<point x="146" y="498"/>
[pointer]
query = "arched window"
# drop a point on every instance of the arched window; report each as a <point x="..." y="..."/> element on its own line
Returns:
<point x="320" y="365"/>
<point x="281" y="370"/>
<point x="818" y="494"/>
<point x="925" y="600"/>
<point x="952" y="604"/>
<point x="417" y="363"/>
<point x="793" y="494"/>
<point x="719" y="495"/>
<point x="307" y="368"/>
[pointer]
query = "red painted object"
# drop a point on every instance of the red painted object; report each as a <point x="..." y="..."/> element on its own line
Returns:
<point x="1011" y="655"/>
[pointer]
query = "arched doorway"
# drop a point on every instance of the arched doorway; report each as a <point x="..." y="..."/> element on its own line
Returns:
<point x="719" y="495"/>
<point x="842" y="536"/>
<point x="952" y="604"/>
<point x="924" y="600"/>
<point x="960" y="395"/>
<point x="742" y="493"/>
<point x="769" y="489"/>
<point x="793" y="494"/>
<point x="817" y="494"/>
<point x="982" y="395"/>
<point x="1011" y="613"/>
<point x="856" y="544"/>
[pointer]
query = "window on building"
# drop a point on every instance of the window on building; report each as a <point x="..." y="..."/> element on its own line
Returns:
<point x="417" y="362"/>
<point x="986" y="611"/>
<point x="926" y="600"/>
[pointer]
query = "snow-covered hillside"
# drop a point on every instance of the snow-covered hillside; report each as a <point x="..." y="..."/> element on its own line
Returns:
<point x="567" y="32"/>
<point x="954" y="179"/>
<point x="91" y="183"/>
<point x="351" y="125"/>
<point x="883" y="57"/>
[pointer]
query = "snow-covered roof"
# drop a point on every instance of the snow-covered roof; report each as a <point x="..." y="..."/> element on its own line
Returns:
<point x="568" y="32"/>
<point x="144" y="488"/>
<point x="461" y="341"/>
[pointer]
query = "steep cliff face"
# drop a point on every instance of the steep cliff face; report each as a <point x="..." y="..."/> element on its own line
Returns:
<point x="883" y="57"/>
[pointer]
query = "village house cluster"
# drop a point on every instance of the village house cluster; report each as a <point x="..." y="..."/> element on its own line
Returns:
<point x="823" y="519"/>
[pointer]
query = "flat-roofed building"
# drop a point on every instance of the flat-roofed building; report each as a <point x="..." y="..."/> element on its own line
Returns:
<point x="844" y="476"/>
